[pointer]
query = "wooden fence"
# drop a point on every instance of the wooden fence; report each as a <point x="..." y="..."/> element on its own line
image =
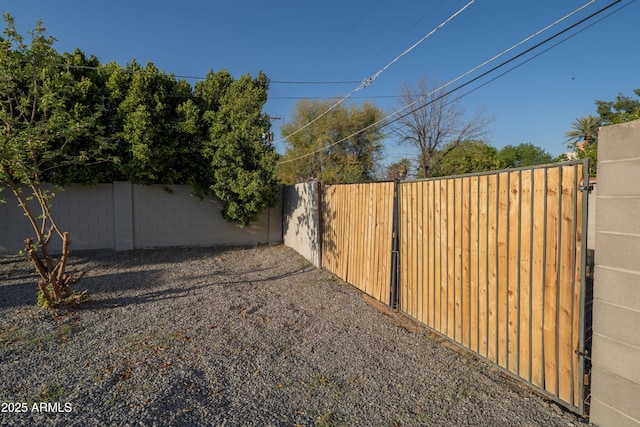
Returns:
<point x="357" y="235"/>
<point x="494" y="262"/>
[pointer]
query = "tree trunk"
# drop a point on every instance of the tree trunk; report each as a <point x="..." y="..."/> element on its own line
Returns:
<point x="55" y="284"/>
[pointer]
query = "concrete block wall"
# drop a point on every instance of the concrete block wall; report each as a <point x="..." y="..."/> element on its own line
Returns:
<point x="158" y="220"/>
<point x="86" y="212"/>
<point x="122" y="216"/>
<point x="615" y="389"/>
<point x="300" y="220"/>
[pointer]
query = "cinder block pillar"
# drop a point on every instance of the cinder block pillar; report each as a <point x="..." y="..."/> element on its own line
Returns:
<point x="123" y="216"/>
<point x="615" y="386"/>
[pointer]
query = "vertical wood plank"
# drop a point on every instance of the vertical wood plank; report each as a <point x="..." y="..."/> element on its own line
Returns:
<point x="465" y="247"/>
<point x="377" y="239"/>
<point x="513" y="279"/>
<point x="551" y="281"/>
<point x="357" y="230"/>
<point x="413" y="250"/>
<point x="492" y="268"/>
<point x="526" y="213"/>
<point x="577" y="287"/>
<point x="432" y="249"/>
<point x="326" y="231"/>
<point x="503" y="266"/>
<point x="420" y="239"/>
<point x="372" y="237"/>
<point x="457" y="260"/>
<point x="537" y="278"/>
<point x="483" y="270"/>
<point x="450" y="263"/>
<point x="474" y="206"/>
<point x="343" y="252"/>
<point x="439" y="258"/>
<point x="567" y="248"/>
<point x="378" y="245"/>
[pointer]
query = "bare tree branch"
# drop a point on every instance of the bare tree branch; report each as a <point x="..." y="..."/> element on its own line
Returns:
<point x="435" y="122"/>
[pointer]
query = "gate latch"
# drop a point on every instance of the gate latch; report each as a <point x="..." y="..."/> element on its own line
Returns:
<point x="584" y="354"/>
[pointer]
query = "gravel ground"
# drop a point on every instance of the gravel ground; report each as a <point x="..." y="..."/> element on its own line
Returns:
<point x="235" y="337"/>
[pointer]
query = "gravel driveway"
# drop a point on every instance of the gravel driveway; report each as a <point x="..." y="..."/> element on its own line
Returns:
<point x="235" y="337"/>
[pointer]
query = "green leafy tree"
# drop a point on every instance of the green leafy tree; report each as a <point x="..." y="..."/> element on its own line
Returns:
<point x="91" y="91"/>
<point x="582" y="138"/>
<point x="521" y="155"/>
<point x="623" y="109"/>
<point x="153" y="113"/>
<point x="469" y="156"/>
<point x="61" y="113"/>
<point x="243" y="163"/>
<point x="336" y="145"/>
<point x="45" y="118"/>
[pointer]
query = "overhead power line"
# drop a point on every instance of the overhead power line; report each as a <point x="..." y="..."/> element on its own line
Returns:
<point x="384" y="119"/>
<point x="313" y="83"/>
<point x="540" y="53"/>
<point x="502" y="64"/>
<point x="407" y="29"/>
<point x="477" y="67"/>
<point x="282" y="82"/>
<point x="367" y="82"/>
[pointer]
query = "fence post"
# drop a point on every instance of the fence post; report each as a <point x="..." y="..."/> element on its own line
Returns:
<point x="320" y="235"/>
<point x="584" y="342"/>
<point x="395" y="249"/>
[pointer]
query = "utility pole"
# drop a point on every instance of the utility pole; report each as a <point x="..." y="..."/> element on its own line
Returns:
<point x="268" y="136"/>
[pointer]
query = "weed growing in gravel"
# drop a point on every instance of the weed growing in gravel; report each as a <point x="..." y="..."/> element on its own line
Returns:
<point x="423" y="417"/>
<point x="15" y="335"/>
<point x="73" y="300"/>
<point x="60" y="334"/>
<point x="160" y="342"/>
<point x="11" y="335"/>
<point x="48" y="393"/>
<point x="325" y="384"/>
<point x="328" y="419"/>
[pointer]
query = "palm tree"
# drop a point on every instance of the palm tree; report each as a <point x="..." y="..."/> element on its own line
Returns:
<point x="584" y="130"/>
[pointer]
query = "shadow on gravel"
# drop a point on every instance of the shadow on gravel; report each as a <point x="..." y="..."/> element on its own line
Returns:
<point x="139" y="281"/>
<point x="123" y="301"/>
<point x="18" y="282"/>
<point x="260" y="275"/>
<point x="18" y="295"/>
<point x="153" y="281"/>
<point x="121" y="281"/>
<point x="106" y="258"/>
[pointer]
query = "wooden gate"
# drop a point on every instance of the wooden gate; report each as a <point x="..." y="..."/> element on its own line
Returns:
<point x="495" y="262"/>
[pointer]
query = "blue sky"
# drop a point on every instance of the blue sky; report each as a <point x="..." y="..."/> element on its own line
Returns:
<point x="342" y="41"/>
